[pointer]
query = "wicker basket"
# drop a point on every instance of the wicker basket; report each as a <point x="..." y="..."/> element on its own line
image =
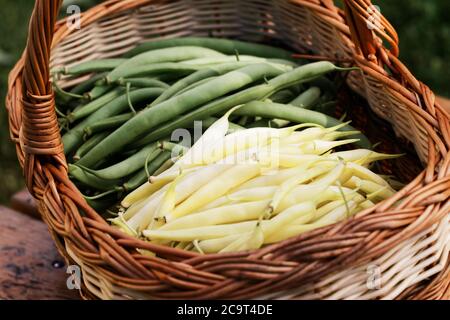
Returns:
<point x="404" y="245"/>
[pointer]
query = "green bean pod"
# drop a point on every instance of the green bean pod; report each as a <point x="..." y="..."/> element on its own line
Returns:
<point x="168" y="110"/>
<point x="177" y="54"/>
<point x="93" y="106"/>
<point x="154" y="69"/>
<point x="92" y="66"/>
<point x="261" y="123"/>
<point x="91" y="180"/>
<point x="127" y="166"/>
<point x="307" y="99"/>
<point x="144" y="83"/>
<point x="87" y="85"/>
<point x="197" y="77"/>
<point x="74" y="138"/>
<point x="282" y="96"/>
<point x="224" y="46"/>
<point x="157" y="56"/>
<point x="194" y="85"/>
<point x="89" y="144"/>
<point x="143" y="175"/>
<point x="109" y="123"/>
<point x="232" y="127"/>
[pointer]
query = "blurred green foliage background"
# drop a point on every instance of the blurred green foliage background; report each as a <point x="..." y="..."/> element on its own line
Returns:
<point x="423" y="27"/>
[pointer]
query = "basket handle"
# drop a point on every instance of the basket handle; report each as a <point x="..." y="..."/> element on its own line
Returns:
<point x="40" y="132"/>
<point x="368" y="28"/>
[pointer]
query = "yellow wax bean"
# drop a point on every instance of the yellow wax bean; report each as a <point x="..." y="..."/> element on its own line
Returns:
<point x="222" y="215"/>
<point x="311" y="134"/>
<point x="133" y="209"/>
<point x="186" y="187"/>
<point x="321" y="146"/>
<point x="277" y="179"/>
<point x="338" y="214"/>
<point x="143" y="192"/>
<point x="245" y="195"/>
<point x="368" y="187"/>
<point x="241" y="145"/>
<point x="213" y="232"/>
<point x="215" y="245"/>
<point x="294" y="160"/>
<point x="339" y="135"/>
<point x="202" y="233"/>
<point x="249" y="241"/>
<point x="170" y="175"/>
<point x="216" y="188"/>
<point x="306" y="192"/>
<point x="167" y="203"/>
<point x="239" y="141"/>
<point x="204" y="146"/>
<point x="252" y="194"/>
<point x="291" y="231"/>
<point x="145" y="216"/>
<point x="320" y="185"/>
<point x="353" y="169"/>
<point x="304" y="136"/>
<point x="287" y="216"/>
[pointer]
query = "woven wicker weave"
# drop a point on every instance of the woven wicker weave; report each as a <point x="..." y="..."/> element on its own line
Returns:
<point x="403" y="245"/>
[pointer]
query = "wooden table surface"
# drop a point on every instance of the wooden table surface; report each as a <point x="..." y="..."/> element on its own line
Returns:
<point x="30" y="266"/>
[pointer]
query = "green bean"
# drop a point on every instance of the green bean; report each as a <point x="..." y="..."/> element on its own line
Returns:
<point x="144" y="83"/>
<point x="215" y="61"/>
<point x="198" y="76"/>
<point x="91" y="66"/>
<point x="168" y="110"/>
<point x="87" y="85"/>
<point x="327" y="87"/>
<point x="194" y="85"/>
<point x="152" y="69"/>
<point x="98" y="90"/>
<point x="243" y="121"/>
<point x="93" y="106"/>
<point x="127" y="166"/>
<point x="225" y="46"/>
<point x="142" y="176"/>
<point x="160" y="56"/>
<point x="109" y="123"/>
<point x="91" y="180"/>
<point x="100" y="205"/>
<point x="175" y="148"/>
<point x="326" y="107"/>
<point x="282" y="96"/>
<point x="74" y="137"/>
<point x="298" y="115"/>
<point x="299" y="75"/>
<point x="148" y="58"/>
<point x="212" y="61"/>
<point x="307" y="99"/>
<point x="89" y="144"/>
<point x="134" y="182"/>
<point x="262" y="123"/>
<point x="232" y="127"/>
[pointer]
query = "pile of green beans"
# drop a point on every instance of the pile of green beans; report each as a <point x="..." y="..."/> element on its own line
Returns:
<point x="117" y="125"/>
